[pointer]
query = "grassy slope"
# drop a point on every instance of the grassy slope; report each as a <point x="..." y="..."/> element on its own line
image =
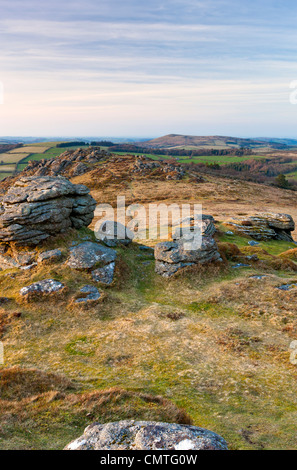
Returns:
<point x="213" y="341"/>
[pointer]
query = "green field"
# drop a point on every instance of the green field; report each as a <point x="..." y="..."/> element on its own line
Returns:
<point x="18" y="159"/>
<point x="15" y="162"/>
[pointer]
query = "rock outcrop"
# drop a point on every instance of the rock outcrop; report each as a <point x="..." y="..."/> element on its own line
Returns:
<point x="70" y="163"/>
<point x="35" y="208"/>
<point x="172" y="256"/>
<point x="264" y="226"/>
<point x="178" y="254"/>
<point x="147" y="435"/>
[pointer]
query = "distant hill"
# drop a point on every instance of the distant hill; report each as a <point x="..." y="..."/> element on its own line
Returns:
<point x="217" y="142"/>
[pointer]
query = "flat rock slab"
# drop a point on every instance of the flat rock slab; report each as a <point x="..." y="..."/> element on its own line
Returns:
<point x="45" y="287"/>
<point x="86" y="255"/>
<point x="147" y="435"/>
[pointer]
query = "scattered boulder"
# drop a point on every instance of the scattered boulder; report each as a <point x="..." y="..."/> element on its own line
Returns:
<point x="45" y="287"/>
<point x="89" y="294"/>
<point x="147" y="435"/>
<point x="50" y="256"/>
<point x="35" y="208"/>
<point x="172" y="256"/>
<point x="114" y="233"/>
<point x="105" y="274"/>
<point x="87" y="255"/>
<point x="264" y="226"/>
<point x="286" y="287"/>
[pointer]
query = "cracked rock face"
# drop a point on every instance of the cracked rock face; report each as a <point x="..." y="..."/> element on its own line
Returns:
<point x="264" y="226"/>
<point x="147" y="435"/>
<point x="172" y="256"/>
<point x="36" y="208"/>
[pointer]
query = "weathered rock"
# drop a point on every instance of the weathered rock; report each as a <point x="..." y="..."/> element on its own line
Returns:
<point x="21" y="260"/>
<point x="105" y="274"/>
<point x="89" y="295"/>
<point x="36" y="208"/>
<point x="146" y="435"/>
<point x="172" y="256"/>
<point x="87" y="255"/>
<point x="114" y="233"/>
<point x="7" y="262"/>
<point x="202" y="223"/>
<point x="50" y="256"/>
<point x="264" y="226"/>
<point x="45" y="287"/>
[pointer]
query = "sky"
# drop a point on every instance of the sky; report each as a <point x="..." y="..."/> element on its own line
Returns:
<point x="132" y="68"/>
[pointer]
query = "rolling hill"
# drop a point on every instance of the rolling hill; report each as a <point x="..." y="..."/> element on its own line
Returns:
<point x="218" y="142"/>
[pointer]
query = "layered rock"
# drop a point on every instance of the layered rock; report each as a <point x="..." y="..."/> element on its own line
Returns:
<point x="264" y="226"/>
<point x="147" y="435"/>
<point x="35" y="208"/>
<point x="173" y="256"/>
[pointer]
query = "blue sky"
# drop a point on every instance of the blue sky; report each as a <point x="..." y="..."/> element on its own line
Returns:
<point x="131" y="68"/>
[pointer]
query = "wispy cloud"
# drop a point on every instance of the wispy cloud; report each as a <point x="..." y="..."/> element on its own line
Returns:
<point x="179" y="62"/>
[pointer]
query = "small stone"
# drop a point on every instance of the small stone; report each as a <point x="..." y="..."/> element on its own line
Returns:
<point x="253" y="243"/>
<point x="286" y="287"/>
<point x="90" y="294"/>
<point x="105" y="274"/>
<point x="240" y="265"/>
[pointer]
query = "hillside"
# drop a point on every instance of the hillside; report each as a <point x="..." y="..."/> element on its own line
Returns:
<point x="208" y="346"/>
<point x="215" y="142"/>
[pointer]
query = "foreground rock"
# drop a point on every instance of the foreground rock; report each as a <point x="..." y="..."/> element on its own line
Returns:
<point x="146" y="435"/>
<point x="172" y="256"/>
<point x="105" y="274"/>
<point x="36" y="208"/>
<point x="264" y="226"/>
<point x="88" y="295"/>
<point x="41" y="288"/>
<point x="87" y="255"/>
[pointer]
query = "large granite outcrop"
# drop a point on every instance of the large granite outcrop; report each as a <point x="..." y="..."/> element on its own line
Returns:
<point x="147" y="435"/>
<point x="35" y="208"/>
<point x="264" y="226"/>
